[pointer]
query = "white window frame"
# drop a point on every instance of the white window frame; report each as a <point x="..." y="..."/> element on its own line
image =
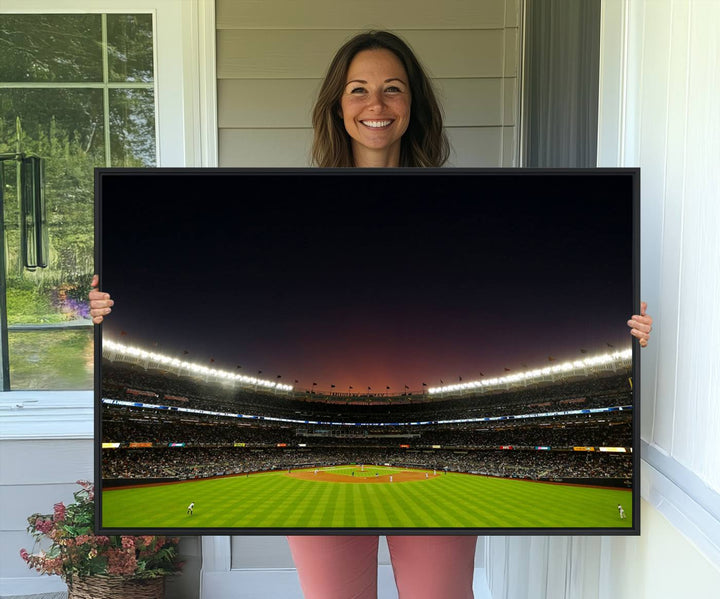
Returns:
<point x="186" y="129"/>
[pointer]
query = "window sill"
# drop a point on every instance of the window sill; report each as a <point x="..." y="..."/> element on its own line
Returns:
<point x="46" y="415"/>
<point x="687" y="502"/>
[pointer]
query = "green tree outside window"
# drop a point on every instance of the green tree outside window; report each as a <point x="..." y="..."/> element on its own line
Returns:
<point x="77" y="90"/>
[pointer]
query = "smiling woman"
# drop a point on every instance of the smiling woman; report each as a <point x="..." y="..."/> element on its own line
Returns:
<point x="377" y="107"/>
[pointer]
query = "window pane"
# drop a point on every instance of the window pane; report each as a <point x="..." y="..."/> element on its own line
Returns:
<point x="53" y="122"/>
<point x="130" y="48"/>
<point x="132" y="127"/>
<point x="66" y="127"/>
<point x="51" y="359"/>
<point x="50" y="48"/>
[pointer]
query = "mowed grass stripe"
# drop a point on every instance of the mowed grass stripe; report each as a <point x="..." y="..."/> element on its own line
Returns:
<point x="328" y="507"/>
<point x="277" y="501"/>
<point x="459" y="498"/>
<point x="344" y="509"/>
<point x="309" y="509"/>
<point x="404" y="501"/>
<point x="394" y="512"/>
<point x="465" y="501"/>
<point x="376" y="513"/>
<point x="418" y="500"/>
<point x="268" y="490"/>
<point x="364" y="517"/>
<point x="513" y="503"/>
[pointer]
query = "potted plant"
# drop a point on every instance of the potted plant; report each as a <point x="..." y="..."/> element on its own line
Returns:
<point x="123" y="567"/>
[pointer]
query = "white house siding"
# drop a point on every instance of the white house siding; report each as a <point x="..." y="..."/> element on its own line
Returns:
<point x="271" y="58"/>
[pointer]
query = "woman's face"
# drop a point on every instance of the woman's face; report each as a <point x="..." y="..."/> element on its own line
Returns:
<point x="375" y="107"/>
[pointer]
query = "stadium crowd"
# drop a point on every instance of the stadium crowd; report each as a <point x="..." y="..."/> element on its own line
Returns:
<point x="226" y="444"/>
<point x="184" y="463"/>
<point x="121" y="424"/>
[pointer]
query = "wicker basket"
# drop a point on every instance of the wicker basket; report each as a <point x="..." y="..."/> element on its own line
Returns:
<point x="116" y="587"/>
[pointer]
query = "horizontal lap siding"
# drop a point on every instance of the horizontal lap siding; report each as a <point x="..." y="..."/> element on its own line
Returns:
<point x="36" y="474"/>
<point x="355" y="14"/>
<point x="272" y="56"/>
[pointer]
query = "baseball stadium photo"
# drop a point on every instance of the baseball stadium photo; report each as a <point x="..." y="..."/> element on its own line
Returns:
<point x="413" y="359"/>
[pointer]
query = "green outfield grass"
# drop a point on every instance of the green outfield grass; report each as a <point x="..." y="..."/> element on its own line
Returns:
<point x="277" y="500"/>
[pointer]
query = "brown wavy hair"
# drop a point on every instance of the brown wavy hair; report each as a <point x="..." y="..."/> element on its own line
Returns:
<point x="423" y="144"/>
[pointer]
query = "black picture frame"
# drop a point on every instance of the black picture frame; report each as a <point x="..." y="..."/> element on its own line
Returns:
<point x="554" y="249"/>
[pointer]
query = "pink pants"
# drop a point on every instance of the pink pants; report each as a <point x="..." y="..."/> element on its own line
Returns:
<point x="340" y="567"/>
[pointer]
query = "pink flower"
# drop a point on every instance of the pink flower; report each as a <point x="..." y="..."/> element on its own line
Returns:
<point x="59" y="509"/>
<point x="44" y="526"/>
<point x="128" y="542"/>
<point x="24" y="555"/>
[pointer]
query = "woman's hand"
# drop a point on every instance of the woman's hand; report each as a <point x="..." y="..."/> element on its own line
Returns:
<point x="641" y="325"/>
<point x="100" y="302"/>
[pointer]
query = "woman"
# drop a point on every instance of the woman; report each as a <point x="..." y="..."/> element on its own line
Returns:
<point x="377" y="108"/>
<point x="363" y="114"/>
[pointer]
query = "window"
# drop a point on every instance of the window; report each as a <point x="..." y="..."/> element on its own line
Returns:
<point x="78" y="91"/>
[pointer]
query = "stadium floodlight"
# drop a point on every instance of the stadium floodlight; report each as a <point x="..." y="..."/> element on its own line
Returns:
<point x="562" y="370"/>
<point x="139" y="354"/>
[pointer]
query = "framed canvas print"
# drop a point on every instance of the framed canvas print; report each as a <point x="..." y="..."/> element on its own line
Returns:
<point x="367" y="351"/>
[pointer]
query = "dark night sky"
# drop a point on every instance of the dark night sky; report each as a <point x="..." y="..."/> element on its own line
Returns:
<point x="368" y="278"/>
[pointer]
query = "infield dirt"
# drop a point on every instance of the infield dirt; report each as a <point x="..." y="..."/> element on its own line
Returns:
<point x="331" y="477"/>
